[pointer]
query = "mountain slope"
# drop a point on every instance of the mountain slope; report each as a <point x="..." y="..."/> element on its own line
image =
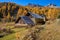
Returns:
<point x="11" y="11"/>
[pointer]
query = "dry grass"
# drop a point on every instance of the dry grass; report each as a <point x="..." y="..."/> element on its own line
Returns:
<point x="44" y="32"/>
<point x="38" y="32"/>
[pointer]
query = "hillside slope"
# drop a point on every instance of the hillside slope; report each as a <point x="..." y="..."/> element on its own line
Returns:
<point x="11" y="11"/>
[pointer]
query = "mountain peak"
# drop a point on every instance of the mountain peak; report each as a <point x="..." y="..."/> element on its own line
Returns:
<point x="34" y="5"/>
<point x="51" y="5"/>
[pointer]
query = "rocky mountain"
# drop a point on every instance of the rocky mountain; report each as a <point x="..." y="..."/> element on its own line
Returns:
<point x="34" y="5"/>
<point x="53" y="6"/>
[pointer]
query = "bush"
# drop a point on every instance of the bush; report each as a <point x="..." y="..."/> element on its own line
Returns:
<point x="8" y="30"/>
<point x="59" y="16"/>
<point x="1" y="30"/>
<point x="5" y="31"/>
<point x="2" y="34"/>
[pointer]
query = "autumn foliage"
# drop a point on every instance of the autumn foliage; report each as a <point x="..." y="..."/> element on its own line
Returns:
<point x="11" y="11"/>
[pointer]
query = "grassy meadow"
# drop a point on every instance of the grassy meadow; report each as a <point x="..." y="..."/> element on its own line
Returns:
<point x="38" y="32"/>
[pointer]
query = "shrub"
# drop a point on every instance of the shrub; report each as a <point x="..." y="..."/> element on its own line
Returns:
<point x="6" y="30"/>
<point x="59" y="16"/>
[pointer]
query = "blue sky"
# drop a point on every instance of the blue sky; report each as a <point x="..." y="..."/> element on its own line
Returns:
<point x="40" y="2"/>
